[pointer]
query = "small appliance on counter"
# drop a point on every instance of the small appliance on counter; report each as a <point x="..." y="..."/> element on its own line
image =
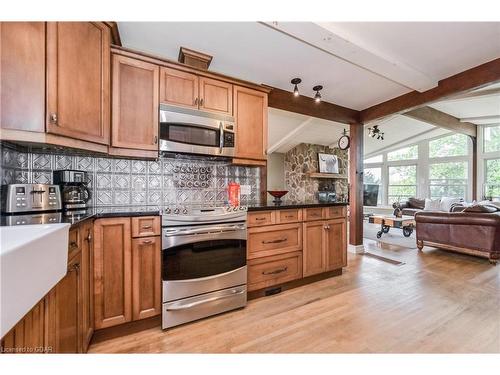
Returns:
<point x="22" y="198"/>
<point x="75" y="193"/>
<point x="327" y="196"/>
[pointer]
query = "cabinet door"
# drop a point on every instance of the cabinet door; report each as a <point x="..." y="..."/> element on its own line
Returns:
<point x="87" y="282"/>
<point x="22" y="68"/>
<point x="250" y="112"/>
<point x="216" y="96"/>
<point x="78" y="68"/>
<point x="64" y="317"/>
<point x="28" y="336"/>
<point x="135" y="104"/>
<point x="336" y="246"/>
<point x="112" y="272"/>
<point x="178" y="88"/>
<point x="146" y="277"/>
<point x="313" y="248"/>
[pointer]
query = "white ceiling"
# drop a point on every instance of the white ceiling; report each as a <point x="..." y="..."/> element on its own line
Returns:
<point x="287" y="130"/>
<point x="359" y="64"/>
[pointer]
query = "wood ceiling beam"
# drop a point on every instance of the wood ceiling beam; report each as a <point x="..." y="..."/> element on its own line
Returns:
<point x="443" y="120"/>
<point x="285" y="100"/>
<point x="468" y="80"/>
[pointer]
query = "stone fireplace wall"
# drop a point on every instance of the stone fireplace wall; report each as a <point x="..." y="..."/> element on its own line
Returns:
<point x="302" y="160"/>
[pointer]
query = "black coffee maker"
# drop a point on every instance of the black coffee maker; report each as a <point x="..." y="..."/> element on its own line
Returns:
<point x="74" y="191"/>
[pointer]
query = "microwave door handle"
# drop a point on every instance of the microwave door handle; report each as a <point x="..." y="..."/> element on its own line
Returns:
<point x="221" y="138"/>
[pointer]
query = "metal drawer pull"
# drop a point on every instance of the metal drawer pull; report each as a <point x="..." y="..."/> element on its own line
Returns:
<point x="275" y="241"/>
<point x="275" y="272"/>
<point x="234" y="292"/>
<point x="289" y="217"/>
<point x="73" y="244"/>
<point x="147" y="227"/>
<point x="145" y="242"/>
<point x="260" y="218"/>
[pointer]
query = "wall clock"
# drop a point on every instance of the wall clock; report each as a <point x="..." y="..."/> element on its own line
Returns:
<point x="344" y="142"/>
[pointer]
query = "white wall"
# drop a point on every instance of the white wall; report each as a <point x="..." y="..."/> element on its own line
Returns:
<point x="276" y="171"/>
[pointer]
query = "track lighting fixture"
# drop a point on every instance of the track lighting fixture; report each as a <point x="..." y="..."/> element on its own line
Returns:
<point x="295" y="82"/>
<point x="376" y="133"/>
<point x="317" y="96"/>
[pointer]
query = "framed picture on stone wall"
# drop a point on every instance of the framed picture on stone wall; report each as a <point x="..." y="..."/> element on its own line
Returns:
<point x="328" y="163"/>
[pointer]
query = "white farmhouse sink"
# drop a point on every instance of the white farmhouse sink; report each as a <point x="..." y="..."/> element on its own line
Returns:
<point x="33" y="258"/>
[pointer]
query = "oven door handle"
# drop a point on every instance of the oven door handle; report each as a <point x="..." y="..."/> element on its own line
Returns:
<point x="204" y="230"/>
<point x="233" y="293"/>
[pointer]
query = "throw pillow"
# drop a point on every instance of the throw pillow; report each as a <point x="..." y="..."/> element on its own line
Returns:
<point x="416" y="203"/>
<point x="432" y="204"/>
<point x="490" y="203"/>
<point x="486" y="208"/>
<point x="447" y="202"/>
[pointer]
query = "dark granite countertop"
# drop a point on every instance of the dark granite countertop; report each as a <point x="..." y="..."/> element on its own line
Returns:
<point x="288" y="205"/>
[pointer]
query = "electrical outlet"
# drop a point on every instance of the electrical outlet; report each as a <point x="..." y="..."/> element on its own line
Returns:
<point x="245" y="189"/>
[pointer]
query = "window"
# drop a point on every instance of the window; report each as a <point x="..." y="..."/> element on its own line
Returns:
<point x="492" y="138"/>
<point x="375" y="159"/>
<point x="448" y="180"/>
<point x="373" y="176"/>
<point x="402" y="183"/>
<point x="492" y="183"/>
<point x="407" y="153"/>
<point x="452" y="145"/>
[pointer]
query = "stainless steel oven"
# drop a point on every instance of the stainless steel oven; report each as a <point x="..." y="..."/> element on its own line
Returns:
<point x="184" y="130"/>
<point x="203" y="264"/>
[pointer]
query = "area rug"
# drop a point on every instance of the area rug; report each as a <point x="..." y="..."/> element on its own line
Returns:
<point x="394" y="237"/>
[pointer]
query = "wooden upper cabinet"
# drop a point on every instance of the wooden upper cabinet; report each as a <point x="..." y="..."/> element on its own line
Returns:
<point x="135" y="104"/>
<point x="178" y="88"/>
<point x="146" y="277"/>
<point x="250" y="112"/>
<point x="22" y="72"/>
<point x="336" y="244"/>
<point x="216" y="96"/>
<point x="112" y="272"/>
<point x="78" y="80"/>
<point x="314" y="244"/>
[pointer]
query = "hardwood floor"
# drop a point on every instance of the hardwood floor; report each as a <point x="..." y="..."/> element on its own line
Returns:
<point x="436" y="302"/>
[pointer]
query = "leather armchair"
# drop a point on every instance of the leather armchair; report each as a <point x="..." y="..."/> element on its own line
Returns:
<point x="466" y="232"/>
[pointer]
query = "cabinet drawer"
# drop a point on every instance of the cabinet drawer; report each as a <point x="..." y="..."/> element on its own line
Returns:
<point x="288" y="216"/>
<point x="74" y="242"/>
<point x="272" y="240"/>
<point x="313" y="214"/>
<point x="260" y="218"/>
<point x="268" y="271"/>
<point x="145" y="226"/>
<point x="334" y="212"/>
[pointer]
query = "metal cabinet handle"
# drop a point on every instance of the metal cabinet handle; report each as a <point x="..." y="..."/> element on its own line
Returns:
<point x="289" y="217"/>
<point x="280" y="270"/>
<point x="155" y="139"/>
<point x="260" y="218"/>
<point x="146" y="242"/>
<point x="53" y="118"/>
<point x="327" y="227"/>
<point x="275" y="241"/>
<point x="196" y="101"/>
<point x="201" y="102"/>
<point x="74" y="267"/>
<point x="89" y="236"/>
<point x="73" y="244"/>
<point x="146" y="227"/>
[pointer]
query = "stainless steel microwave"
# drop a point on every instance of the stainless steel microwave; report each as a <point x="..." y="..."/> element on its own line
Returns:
<point x="184" y="130"/>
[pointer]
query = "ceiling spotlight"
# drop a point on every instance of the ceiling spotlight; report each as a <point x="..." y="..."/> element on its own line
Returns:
<point x="317" y="96"/>
<point x="376" y="133"/>
<point x="295" y="82"/>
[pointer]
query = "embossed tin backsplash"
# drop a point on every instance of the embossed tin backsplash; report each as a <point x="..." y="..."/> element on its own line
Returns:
<point x="116" y="181"/>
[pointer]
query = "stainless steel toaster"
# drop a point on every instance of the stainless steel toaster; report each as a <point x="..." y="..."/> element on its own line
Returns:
<point x="30" y="197"/>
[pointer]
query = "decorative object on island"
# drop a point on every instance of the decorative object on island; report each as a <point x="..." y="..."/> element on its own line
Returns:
<point x="376" y="133"/>
<point x="277" y="194"/>
<point x="233" y="193"/>
<point x="344" y="141"/>
<point x="328" y="163"/>
<point x="295" y="82"/>
<point x="398" y="212"/>
<point x="317" y="96"/>
<point x="327" y="196"/>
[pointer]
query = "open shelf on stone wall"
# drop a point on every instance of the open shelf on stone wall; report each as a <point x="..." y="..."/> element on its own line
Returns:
<point x="327" y="175"/>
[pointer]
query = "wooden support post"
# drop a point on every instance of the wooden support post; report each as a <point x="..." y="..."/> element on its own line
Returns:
<point x="474" y="169"/>
<point x="356" y="185"/>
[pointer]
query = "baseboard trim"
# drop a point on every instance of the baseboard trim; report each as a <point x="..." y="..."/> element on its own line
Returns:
<point x="356" y="249"/>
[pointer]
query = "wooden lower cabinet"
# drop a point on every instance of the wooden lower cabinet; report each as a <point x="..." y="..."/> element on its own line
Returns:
<point x="127" y="271"/>
<point x="268" y="271"/>
<point x="336" y="244"/>
<point x="87" y="283"/>
<point x="146" y="276"/>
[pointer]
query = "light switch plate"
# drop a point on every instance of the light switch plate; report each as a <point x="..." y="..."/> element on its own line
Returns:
<point x="245" y="189"/>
